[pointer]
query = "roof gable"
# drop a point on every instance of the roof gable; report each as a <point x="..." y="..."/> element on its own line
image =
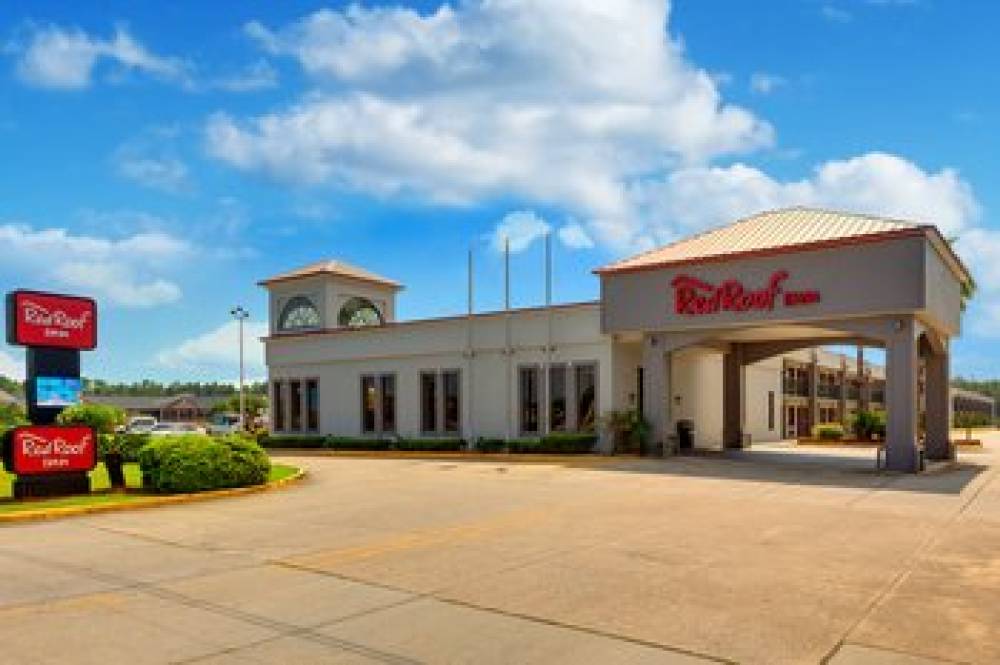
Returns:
<point x="331" y="267"/>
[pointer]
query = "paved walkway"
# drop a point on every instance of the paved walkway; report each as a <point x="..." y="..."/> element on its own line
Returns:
<point x="686" y="560"/>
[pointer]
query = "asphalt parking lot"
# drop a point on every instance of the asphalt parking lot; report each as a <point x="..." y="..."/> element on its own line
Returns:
<point x="768" y="558"/>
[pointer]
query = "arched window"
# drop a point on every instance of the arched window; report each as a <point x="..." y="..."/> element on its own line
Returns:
<point x="299" y="314"/>
<point x="358" y="313"/>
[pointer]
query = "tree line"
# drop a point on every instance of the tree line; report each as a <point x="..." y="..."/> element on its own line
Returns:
<point x="149" y="388"/>
<point x="990" y="387"/>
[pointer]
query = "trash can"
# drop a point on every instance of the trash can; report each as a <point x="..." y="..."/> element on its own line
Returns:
<point x="685" y="435"/>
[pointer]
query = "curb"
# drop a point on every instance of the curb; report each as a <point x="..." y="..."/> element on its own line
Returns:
<point x="148" y="502"/>
<point x="453" y="455"/>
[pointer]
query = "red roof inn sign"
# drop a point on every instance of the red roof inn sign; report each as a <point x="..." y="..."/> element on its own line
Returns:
<point x="49" y="459"/>
<point x="46" y="450"/>
<point x="50" y="320"/>
<point x="696" y="297"/>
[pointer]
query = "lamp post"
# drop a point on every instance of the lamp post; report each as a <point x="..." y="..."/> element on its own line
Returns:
<point x="241" y="315"/>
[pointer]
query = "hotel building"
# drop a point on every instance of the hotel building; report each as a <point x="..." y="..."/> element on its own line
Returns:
<point x="724" y="331"/>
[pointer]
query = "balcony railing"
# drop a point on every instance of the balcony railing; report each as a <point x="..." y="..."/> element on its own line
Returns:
<point x="829" y="391"/>
<point x="797" y="387"/>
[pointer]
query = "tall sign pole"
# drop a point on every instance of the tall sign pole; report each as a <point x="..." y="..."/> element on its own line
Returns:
<point x="48" y="459"/>
<point x="241" y="315"/>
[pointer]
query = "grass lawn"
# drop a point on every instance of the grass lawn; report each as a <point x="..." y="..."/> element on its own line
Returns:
<point x="99" y="484"/>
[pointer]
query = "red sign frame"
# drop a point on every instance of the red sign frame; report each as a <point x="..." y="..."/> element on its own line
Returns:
<point x="696" y="297"/>
<point x="44" y="450"/>
<point x="39" y="319"/>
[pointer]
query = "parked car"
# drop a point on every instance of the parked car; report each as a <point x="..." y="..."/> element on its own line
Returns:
<point x="225" y="423"/>
<point x="173" y="429"/>
<point x="140" y="424"/>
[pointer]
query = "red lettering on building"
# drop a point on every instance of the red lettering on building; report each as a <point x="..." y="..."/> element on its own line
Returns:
<point x="696" y="297"/>
<point x="45" y="450"/>
<point x="46" y="319"/>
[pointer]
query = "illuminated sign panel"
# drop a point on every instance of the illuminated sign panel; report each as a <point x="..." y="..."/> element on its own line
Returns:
<point x="57" y="391"/>
<point x="696" y="297"/>
<point x="51" y="320"/>
<point x="37" y="450"/>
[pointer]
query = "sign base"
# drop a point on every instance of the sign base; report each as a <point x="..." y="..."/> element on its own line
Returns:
<point x="33" y="487"/>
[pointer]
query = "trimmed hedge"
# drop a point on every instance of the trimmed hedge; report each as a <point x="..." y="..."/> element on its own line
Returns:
<point x="356" y="443"/>
<point x="560" y="443"/>
<point x="570" y="443"/>
<point x="197" y="462"/>
<point x="291" y="441"/>
<point x="829" y="432"/>
<point x="430" y="444"/>
<point x="491" y="445"/>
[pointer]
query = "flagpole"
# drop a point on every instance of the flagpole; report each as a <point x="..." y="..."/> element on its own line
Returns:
<point x="507" y="341"/>
<point x="547" y="379"/>
<point x="469" y="355"/>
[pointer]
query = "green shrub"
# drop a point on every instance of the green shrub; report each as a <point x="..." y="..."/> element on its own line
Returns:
<point x="869" y="425"/>
<point x="356" y="443"/>
<point x="491" y="445"/>
<point x="559" y="443"/>
<point x="102" y="418"/>
<point x="126" y="444"/>
<point x="430" y="444"/>
<point x="12" y="415"/>
<point x="291" y="441"/>
<point x="196" y="462"/>
<point x="829" y="432"/>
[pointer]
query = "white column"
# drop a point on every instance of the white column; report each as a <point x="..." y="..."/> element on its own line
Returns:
<point x="656" y="389"/>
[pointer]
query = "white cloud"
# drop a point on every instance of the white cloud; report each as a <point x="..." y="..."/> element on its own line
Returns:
<point x="693" y="199"/>
<point x="763" y="83"/>
<point x="11" y="368"/>
<point x="836" y="14"/>
<point x="168" y="174"/>
<point x="562" y="102"/>
<point x="521" y="228"/>
<point x="574" y="236"/>
<point x="118" y="270"/>
<point x="257" y="76"/>
<point x="218" y="350"/>
<point x="65" y="58"/>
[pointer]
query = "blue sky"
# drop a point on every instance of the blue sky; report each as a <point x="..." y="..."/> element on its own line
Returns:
<point x="165" y="158"/>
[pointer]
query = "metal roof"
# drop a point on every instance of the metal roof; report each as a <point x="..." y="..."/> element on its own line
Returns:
<point x="338" y="268"/>
<point x="787" y="229"/>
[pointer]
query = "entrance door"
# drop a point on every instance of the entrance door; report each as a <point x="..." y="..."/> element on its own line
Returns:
<point x="802" y="421"/>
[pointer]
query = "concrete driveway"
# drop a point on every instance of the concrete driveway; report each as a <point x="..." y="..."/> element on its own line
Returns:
<point x="768" y="558"/>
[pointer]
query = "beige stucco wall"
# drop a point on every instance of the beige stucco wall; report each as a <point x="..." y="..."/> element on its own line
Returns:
<point x="696" y="379"/>
<point x="339" y="359"/>
<point x="761" y="378"/>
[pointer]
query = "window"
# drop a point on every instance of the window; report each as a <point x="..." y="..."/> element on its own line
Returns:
<point x="299" y="314"/>
<point x="428" y="401"/>
<point x="528" y="384"/>
<point x="557" y="398"/>
<point x="640" y="391"/>
<point x="358" y="313"/>
<point x="452" y="405"/>
<point x="278" y="399"/>
<point x="586" y="397"/>
<point x="388" y="384"/>
<point x="312" y="405"/>
<point x="369" y="404"/>
<point x="378" y="403"/>
<point x="770" y="410"/>
<point x="295" y="405"/>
